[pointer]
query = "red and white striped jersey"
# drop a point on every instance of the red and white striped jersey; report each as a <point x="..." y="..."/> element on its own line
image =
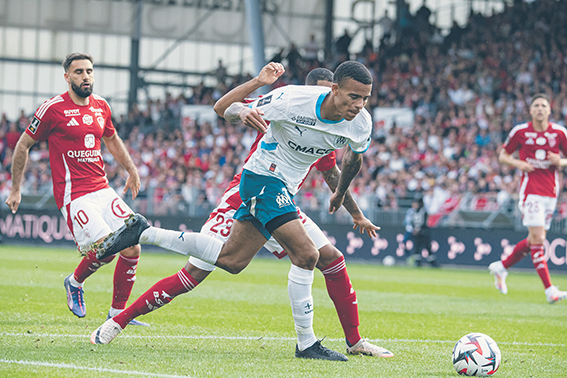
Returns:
<point x="533" y="147"/>
<point x="74" y="133"/>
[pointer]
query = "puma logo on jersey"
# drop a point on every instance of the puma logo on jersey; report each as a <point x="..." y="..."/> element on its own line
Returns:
<point x="300" y="131"/>
<point x="73" y="122"/>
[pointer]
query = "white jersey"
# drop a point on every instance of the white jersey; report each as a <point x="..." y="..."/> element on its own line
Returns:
<point x="298" y="136"/>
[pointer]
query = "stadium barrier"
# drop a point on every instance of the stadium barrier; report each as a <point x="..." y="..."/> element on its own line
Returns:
<point x="452" y="246"/>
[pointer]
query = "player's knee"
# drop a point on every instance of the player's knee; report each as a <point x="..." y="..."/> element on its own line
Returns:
<point x="327" y="255"/>
<point x="307" y="260"/>
<point x="133" y="251"/>
<point x="234" y="268"/>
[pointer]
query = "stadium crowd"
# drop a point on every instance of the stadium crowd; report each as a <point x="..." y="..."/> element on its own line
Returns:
<point x="467" y="90"/>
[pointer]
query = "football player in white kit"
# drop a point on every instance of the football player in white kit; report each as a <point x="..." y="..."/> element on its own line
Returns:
<point x="306" y="123"/>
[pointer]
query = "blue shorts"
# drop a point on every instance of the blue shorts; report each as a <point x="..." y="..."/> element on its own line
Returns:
<point x="265" y="202"/>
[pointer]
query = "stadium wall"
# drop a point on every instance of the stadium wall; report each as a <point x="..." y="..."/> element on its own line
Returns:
<point x="453" y="246"/>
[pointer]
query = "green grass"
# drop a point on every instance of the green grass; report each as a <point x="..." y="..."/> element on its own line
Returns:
<point x="241" y="326"/>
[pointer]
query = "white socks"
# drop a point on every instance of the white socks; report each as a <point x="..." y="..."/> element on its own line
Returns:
<point x="74" y="282"/>
<point x="204" y="247"/>
<point x="299" y="291"/>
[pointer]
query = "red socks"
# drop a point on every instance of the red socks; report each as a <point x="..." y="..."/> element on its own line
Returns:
<point x="519" y="252"/>
<point x="158" y="295"/>
<point x="538" y="258"/>
<point x="124" y="277"/>
<point x="343" y="296"/>
<point x="88" y="265"/>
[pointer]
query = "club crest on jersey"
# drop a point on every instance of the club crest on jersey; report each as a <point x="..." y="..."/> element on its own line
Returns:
<point x="88" y="119"/>
<point x="283" y="200"/>
<point x="265" y="100"/>
<point x="340" y="141"/>
<point x="100" y="122"/>
<point x="34" y="124"/>
<point x="89" y="141"/>
<point x="551" y="139"/>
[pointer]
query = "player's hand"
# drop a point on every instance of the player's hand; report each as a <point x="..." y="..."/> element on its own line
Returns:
<point x="524" y="166"/>
<point x="253" y="118"/>
<point x="336" y="202"/>
<point x="132" y="183"/>
<point x="270" y="73"/>
<point x="554" y="159"/>
<point x="13" y="201"/>
<point x="365" y="225"/>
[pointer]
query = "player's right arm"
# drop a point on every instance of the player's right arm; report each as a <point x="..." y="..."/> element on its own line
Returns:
<point x="352" y="162"/>
<point x="19" y="160"/>
<point x="267" y="76"/>
<point x="507" y="158"/>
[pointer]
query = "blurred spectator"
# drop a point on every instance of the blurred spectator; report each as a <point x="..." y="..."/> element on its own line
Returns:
<point x="387" y="26"/>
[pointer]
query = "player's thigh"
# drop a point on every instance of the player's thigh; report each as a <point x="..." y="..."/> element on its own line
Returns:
<point x="218" y="226"/>
<point x="293" y="237"/>
<point x="537" y="211"/>
<point x="244" y="241"/>
<point x="326" y="250"/>
<point x="85" y="220"/>
<point x="315" y="233"/>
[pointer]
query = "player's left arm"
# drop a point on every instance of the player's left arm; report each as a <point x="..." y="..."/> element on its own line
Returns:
<point x="351" y="166"/>
<point x="331" y="177"/>
<point x="120" y="153"/>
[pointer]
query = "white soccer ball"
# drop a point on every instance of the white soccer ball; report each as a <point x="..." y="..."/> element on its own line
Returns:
<point x="476" y="355"/>
<point x="389" y="260"/>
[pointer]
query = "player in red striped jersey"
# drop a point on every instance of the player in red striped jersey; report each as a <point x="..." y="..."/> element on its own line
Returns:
<point x="539" y="144"/>
<point x="74" y="123"/>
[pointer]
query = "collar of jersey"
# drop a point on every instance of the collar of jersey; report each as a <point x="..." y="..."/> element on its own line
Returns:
<point x="318" y="109"/>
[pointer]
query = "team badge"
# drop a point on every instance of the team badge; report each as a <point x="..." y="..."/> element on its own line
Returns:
<point x="89" y="141"/>
<point x="100" y="122"/>
<point x="34" y="124"/>
<point x="283" y="200"/>
<point x="88" y="119"/>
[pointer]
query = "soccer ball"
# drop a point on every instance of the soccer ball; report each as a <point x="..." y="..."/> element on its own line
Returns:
<point x="476" y="355"/>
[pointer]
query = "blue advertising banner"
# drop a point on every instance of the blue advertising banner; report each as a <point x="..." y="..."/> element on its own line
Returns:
<point x="454" y="246"/>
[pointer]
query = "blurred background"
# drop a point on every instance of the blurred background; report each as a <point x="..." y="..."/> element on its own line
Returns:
<point x="451" y="78"/>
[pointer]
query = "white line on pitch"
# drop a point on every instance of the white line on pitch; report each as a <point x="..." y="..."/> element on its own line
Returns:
<point x="191" y="337"/>
<point x="101" y="370"/>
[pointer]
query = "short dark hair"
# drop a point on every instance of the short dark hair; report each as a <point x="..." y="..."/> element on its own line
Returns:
<point x="75" y="56"/>
<point x="318" y="74"/>
<point x="540" y="95"/>
<point x="352" y="70"/>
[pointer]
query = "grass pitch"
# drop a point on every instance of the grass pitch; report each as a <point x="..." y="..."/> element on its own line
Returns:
<point x="241" y="326"/>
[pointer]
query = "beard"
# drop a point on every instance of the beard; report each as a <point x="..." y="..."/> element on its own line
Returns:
<point x="84" y="93"/>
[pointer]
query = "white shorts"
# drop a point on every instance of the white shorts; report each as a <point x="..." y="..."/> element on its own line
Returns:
<point x="95" y="215"/>
<point x="537" y="211"/>
<point x="220" y="222"/>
